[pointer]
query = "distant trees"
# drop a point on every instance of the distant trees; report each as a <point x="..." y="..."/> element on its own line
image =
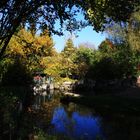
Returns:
<point x="126" y="32"/>
<point x="69" y="48"/>
<point x="30" y="48"/>
<point x="127" y="35"/>
<point x="26" y="50"/>
<point x="67" y="58"/>
<point x="119" y="63"/>
<point x="83" y="59"/>
<point x="106" y="46"/>
<point x="53" y="66"/>
<point x="37" y="52"/>
<point x="72" y="62"/>
<point x="133" y="31"/>
<point x="110" y="61"/>
<point x="43" y="14"/>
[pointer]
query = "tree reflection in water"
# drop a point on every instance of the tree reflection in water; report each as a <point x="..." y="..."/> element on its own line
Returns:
<point x="77" y="126"/>
<point x="72" y="121"/>
<point x="78" y="122"/>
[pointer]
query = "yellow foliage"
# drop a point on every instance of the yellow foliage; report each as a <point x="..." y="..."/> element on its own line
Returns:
<point x="31" y="48"/>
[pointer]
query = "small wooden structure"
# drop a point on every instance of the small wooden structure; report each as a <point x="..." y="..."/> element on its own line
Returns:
<point x="43" y="82"/>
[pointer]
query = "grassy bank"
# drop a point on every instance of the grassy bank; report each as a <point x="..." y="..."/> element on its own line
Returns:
<point x="107" y="103"/>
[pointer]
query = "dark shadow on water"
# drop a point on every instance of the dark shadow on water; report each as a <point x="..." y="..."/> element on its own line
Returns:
<point x="72" y="121"/>
<point x="82" y="123"/>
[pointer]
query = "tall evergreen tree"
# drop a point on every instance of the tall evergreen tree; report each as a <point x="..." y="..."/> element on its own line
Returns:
<point x="69" y="48"/>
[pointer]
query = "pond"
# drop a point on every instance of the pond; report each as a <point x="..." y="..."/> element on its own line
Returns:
<point x="77" y="125"/>
<point x="78" y="122"/>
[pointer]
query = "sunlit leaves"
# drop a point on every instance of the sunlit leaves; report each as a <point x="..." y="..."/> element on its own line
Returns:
<point x="107" y="46"/>
<point x="101" y="12"/>
<point x="122" y="60"/>
<point x="44" y="14"/>
<point x="134" y="31"/>
<point x="52" y="66"/>
<point x="67" y="55"/>
<point x="30" y="48"/>
<point x="83" y="59"/>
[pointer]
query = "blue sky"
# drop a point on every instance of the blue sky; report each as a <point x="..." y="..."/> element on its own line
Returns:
<point x="86" y="35"/>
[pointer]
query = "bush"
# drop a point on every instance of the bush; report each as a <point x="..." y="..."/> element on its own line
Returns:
<point x="16" y="75"/>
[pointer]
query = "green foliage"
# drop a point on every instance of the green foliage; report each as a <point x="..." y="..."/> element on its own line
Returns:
<point x="83" y="59"/>
<point x="52" y="66"/>
<point x="134" y="31"/>
<point x="84" y="54"/>
<point x="61" y="65"/>
<point x="25" y="54"/>
<point x="102" y="12"/>
<point x="115" y="62"/>
<point x="9" y="107"/>
<point x="126" y="39"/>
<point x="126" y="32"/>
<point x="110" y="62"/>
<point x="71" y="62"/>
<point x="31" y="48"/>
<point x="16" y="75"/>
<point x="96" y="12"/>
<point x="105" y="69"/>
<point x="126" y="60"/>
<point x="66" y="59"/>
<point x="69" y="48"/>
<point x="106" y="46"/>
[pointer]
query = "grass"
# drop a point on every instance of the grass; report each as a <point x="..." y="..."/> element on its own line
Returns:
<point x="108" y="103"/>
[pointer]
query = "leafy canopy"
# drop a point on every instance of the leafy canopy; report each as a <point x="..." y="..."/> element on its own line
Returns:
<point x="44" y="14"/>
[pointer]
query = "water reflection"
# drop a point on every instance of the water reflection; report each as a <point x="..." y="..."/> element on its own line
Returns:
<point x="70" y="120"/>
<point x="42" y="98"/>
<point x="77" y="126"/>
<point x="79" y="123"/>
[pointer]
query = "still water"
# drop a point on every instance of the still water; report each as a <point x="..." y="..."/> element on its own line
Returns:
<point x="81" y="123"/>
<point x="78" y="125"/>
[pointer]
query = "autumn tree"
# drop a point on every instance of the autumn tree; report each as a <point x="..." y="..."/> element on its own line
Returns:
<point x="53" y="66"/>
<point x="68" y="48"/>
<point x="106" y="46"/>
<point x="30" y="48"/>
<point x="44" y="14"/>
<point x="26" y="50"/>
<point x="67" y="54"/>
